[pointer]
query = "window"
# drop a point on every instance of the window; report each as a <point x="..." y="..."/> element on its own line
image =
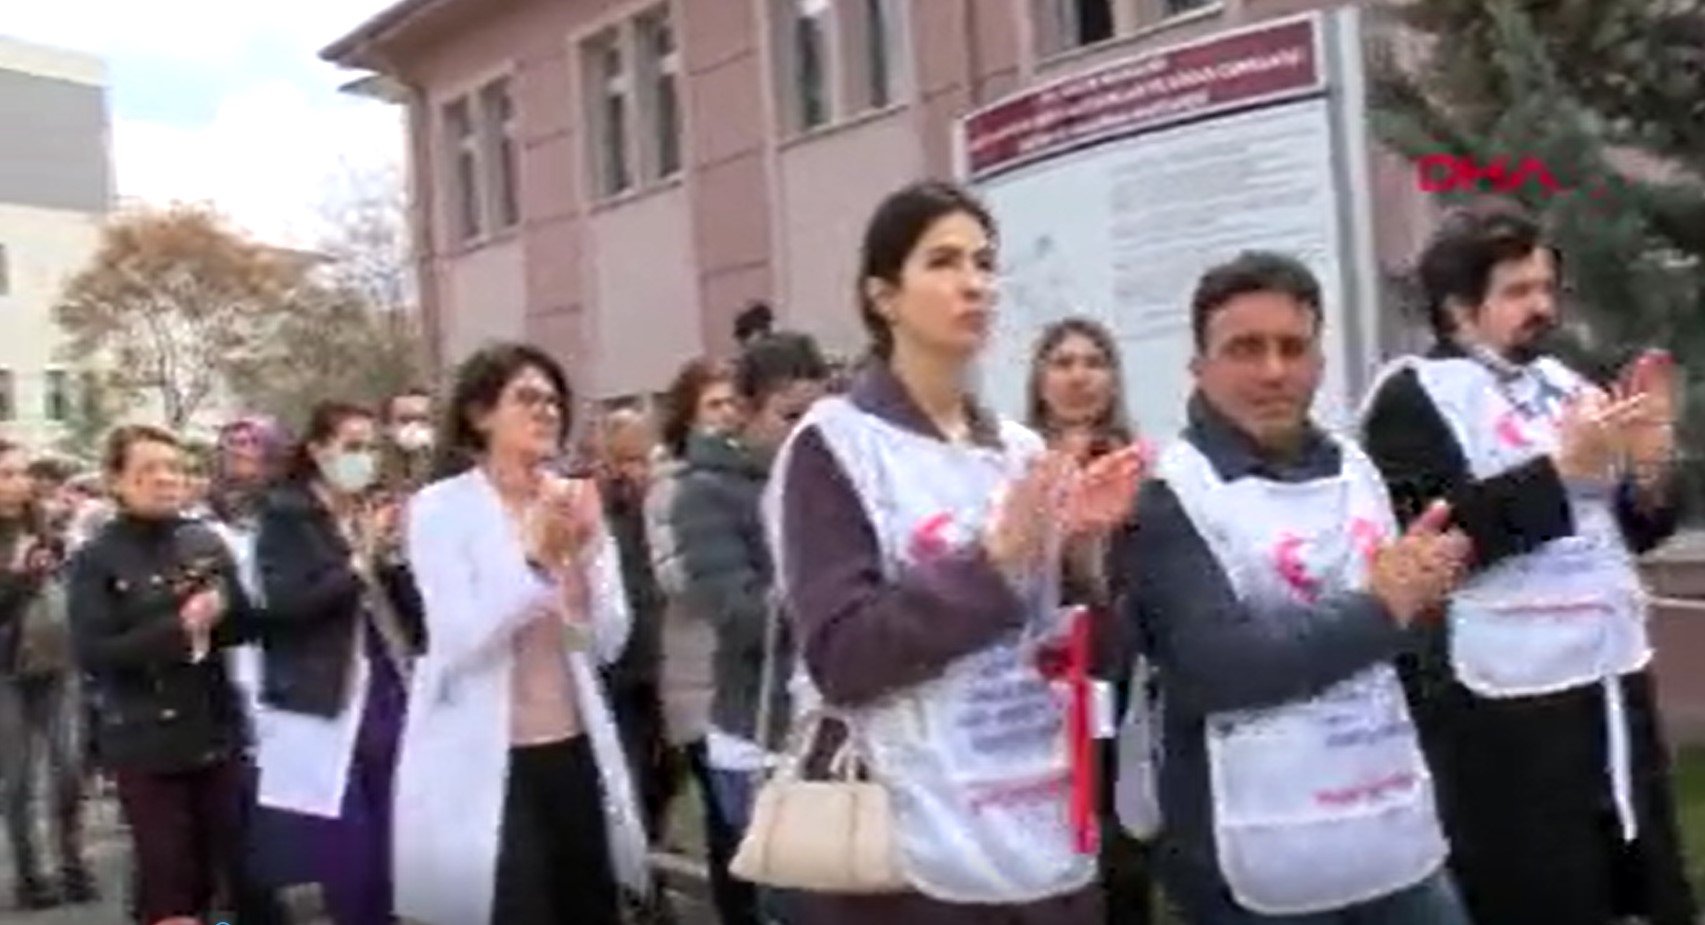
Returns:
<point x="89" y="395"/>
<point x="878" y="79"/>
<point x="835" y="60"/>
<point x="463" y="146"/>
<point x="1063" y="25"/>
<point x="56" y="397"/>
<point x="1087" y="21"/>
<point x="497" y="113"/>
<point x="5" y="272"/>
<point x="662" y="63"/>
<point x="1180" y="7"/>
<point x="810" y="63"/>
<point x="8" y="404"/>
<point x="633" y="79"/>
<point x="608" y="74"/>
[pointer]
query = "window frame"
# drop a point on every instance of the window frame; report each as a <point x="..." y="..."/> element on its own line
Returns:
<point x="658" y="75"/>
<point x="1055" y="25"/>
<point x="56" y="385"/>
<point x="463" y="172"/>
<point x="500" y="149"/>
<point x="8" y="394"/>
<point x="863" y="55"/>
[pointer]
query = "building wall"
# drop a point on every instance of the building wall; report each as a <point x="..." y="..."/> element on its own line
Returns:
<point x="44" y="248"/>
<point x="55" y="184"/>
<point x="625" y="288"/>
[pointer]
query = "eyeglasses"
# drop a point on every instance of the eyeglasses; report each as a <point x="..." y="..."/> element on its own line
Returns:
<point x="533" y="398"/>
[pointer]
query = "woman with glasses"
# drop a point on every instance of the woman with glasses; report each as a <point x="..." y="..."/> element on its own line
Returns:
<point x="515" y="805"/>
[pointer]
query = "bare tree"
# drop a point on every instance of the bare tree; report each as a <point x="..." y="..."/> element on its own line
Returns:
<point x="353" y="335"/>
<point x="176" y="302"/>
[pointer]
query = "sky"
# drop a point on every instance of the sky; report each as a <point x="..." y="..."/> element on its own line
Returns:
<point x="226" y="102"/>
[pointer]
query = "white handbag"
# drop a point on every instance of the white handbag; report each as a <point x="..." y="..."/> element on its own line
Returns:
<point x="827" y="836"/>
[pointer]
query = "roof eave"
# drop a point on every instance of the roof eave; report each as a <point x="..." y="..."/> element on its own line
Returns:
<point x="357" y="49"/>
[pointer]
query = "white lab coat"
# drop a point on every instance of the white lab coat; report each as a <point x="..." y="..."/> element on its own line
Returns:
<point x="478" y="589"/>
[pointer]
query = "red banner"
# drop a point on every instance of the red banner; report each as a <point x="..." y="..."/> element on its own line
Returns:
<point x="1219" y="73"/>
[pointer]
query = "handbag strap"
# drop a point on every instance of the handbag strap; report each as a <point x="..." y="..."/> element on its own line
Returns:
<point x="767" y="674"/>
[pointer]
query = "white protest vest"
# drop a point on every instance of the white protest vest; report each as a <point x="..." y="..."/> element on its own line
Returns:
<point x="1324" y="803"/>
<point x="1569" y="614"/>
<point x="975" y="760"/>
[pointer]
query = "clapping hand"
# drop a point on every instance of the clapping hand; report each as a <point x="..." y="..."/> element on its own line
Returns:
<point x="1648" y="434"/>
<point x="1412" y="575"/>
<point x="1591" y="436"/>
<point x="1017" y="533"/>
<point x="1101" y="495"/>
<point x="564" y="518"/>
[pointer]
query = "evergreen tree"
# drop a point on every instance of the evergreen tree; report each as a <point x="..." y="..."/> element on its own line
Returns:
<point x="1579" y="85"/>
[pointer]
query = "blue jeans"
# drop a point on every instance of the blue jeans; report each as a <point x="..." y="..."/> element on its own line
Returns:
<point x="735" y="793"/>
<point x="1433" y="901"/>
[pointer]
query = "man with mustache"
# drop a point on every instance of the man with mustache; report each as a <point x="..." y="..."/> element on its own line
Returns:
<point x="1534" y="698"/>
<point x="1272" y="590"/>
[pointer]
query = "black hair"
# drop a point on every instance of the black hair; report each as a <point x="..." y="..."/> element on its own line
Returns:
<point x="413" y="391"/>
<point x="1470" y="243"/>
<point x="893" y="232"/>
<point x="323" y="424"/>
<point x="1113" y="425"/>
<point x="116" y="454"/>
<point x="757" y="319"/>
<point x="770" y="363"/>
<point x="1247" y="273"/>
<point x="479" y="384"/>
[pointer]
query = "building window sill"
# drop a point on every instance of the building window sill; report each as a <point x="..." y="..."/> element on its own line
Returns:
<point x="636" y="193"/>
<point x="481" y="242"/>
<point x="839" y="126"/>
<point x="1064" y="57"/>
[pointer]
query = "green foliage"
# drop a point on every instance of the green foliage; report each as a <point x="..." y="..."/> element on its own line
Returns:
<point x="1508" y="78"/>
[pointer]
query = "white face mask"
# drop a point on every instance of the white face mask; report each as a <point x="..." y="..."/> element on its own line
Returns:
<point x="414" y="437"/>
<point x="350" y="472"/>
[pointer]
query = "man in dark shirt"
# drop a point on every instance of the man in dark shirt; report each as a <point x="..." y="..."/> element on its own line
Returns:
<point x="1553" y="780"/>
<point x="1257" y="612"/>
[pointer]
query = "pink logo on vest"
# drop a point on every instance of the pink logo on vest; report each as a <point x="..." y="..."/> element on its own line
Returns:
<point x="1367" y="536"/>
<point x="1288" y="562"/>
<point x="1510" y="432"/>
<point x="929" y="538"/>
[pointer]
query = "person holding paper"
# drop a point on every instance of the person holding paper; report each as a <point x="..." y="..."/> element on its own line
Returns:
<point x="1535" y="698"/>
<point x="1272" y="591"/>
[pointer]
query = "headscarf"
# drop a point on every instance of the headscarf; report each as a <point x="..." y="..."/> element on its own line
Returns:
<point x="237" y="501"/>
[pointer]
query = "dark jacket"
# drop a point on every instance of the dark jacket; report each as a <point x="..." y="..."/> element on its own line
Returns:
<point x="155" y="709"/>
<point x="1215" y="652"/>
<point x="17" y="589"/>
<point x="624" y="511"/>
<point x="726" y="565"/>
<point x="1513" y="774"/>
<point x="313" y="602"/>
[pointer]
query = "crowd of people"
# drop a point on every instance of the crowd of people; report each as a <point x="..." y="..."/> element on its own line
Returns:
<point x="453" y="670"/>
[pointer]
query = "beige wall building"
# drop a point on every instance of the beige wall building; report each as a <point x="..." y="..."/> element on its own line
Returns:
<point x="616" y="179"/>
<point x="55" y="186"/>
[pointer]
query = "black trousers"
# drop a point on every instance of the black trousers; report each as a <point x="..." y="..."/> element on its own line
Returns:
<point x="639" y="717"/>
<point x="553" y="862"/>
